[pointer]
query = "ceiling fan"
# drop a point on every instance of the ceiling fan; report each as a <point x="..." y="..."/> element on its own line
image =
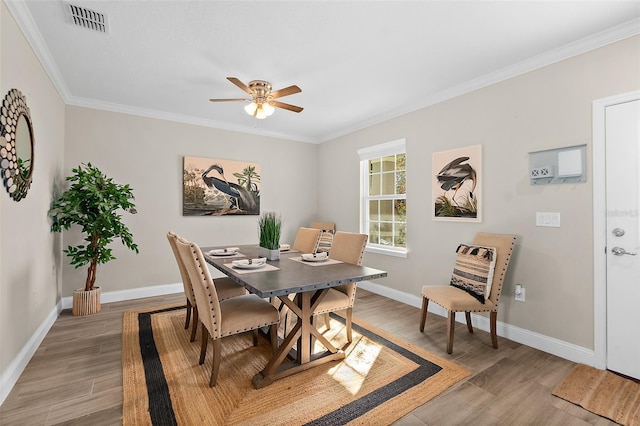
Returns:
<point x="263" y="100"/>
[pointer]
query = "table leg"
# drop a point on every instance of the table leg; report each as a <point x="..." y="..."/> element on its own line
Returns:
<point x="302" y="307"/>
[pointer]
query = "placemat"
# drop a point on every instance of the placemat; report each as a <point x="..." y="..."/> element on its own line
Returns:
<point x="266" y="268"/>
<point x="324" y="263"/>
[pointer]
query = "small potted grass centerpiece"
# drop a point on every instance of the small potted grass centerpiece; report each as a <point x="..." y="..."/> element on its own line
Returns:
<point x="269" y="226"/>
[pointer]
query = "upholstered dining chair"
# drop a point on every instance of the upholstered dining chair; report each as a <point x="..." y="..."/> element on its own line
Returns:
<point x="454" y="299"/>
<point x="227" y="317"/>
<point x="225" y="287"/>
<point x="349" y="248"/>
<point x="306" y="240"/>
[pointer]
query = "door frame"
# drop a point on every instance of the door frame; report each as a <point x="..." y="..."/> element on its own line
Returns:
<point x="600" y="224"/>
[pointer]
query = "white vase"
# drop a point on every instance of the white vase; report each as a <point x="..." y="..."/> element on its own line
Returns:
<point x="268" y="253"/>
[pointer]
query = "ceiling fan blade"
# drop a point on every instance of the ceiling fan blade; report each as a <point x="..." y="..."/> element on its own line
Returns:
<point x="285" y="92"/>
<point x="286" y="106"/>
<point x="229" y="100"/>
<point x="240" y="84"/>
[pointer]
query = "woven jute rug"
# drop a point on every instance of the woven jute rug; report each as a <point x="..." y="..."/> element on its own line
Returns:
<point x="381" y="379"/>
<point x="603" y="393"/>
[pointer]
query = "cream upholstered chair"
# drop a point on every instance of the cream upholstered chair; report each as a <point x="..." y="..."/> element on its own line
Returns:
<point x="227" y="317"/>
<point x="349" y="248"/>
<point x="225" y="287"/>
<point x="453" y="299"/>
<point x="326" y="234"/>
<point x="306" y="240"/>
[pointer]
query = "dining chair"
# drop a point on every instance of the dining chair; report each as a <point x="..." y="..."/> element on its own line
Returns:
<point x="306" y="240"/>
<point x="326" y="235"/>
<point x="225" y="287"/>
<point x="227" y="317"/>
<point x="347" y="247"/>
<point x="464" y="294"/>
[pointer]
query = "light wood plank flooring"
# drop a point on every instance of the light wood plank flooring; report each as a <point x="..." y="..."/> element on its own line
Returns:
<point x="75" y="377"/>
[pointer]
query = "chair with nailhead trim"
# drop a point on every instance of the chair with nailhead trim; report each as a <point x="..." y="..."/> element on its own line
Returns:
<point x="227" y="317"/>
<point x="306" y="240"/>
<point x="347" y="247"/>
<point x="225" y="288"/>
<point x="453" y="299"/>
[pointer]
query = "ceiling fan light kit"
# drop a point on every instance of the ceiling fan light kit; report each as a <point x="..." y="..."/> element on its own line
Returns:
<point x="262" y="98"/>
<point x="259" y="110"/>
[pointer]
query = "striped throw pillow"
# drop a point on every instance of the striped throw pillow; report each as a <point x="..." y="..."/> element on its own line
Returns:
<point x="474" y="269"/>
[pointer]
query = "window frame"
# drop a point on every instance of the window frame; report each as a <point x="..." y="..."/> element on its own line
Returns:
<point x="398" y="146"/>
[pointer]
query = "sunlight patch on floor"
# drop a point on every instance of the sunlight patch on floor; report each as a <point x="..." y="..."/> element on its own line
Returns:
<point x="352" y="372"/>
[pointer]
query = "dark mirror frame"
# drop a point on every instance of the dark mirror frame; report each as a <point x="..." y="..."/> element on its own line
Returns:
<point x="13" y="165"/>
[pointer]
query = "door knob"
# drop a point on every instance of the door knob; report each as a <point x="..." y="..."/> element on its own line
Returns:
<point x="619" y="251"/>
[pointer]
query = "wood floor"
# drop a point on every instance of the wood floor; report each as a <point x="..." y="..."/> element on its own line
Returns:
<point x="75" y="377"/>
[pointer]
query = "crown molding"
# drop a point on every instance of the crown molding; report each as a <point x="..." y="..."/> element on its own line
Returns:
<point x="595" y="41"/>
<point x="26" y="23"/>
<point x="161" y="115"/>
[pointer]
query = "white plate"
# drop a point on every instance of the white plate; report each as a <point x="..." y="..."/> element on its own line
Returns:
<point x="222" y="252"/>
<point x="309" y="257"/>
<point x="244" y="264"/>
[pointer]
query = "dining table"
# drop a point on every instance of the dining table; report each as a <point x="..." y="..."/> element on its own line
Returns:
<point x="308" y="282"/>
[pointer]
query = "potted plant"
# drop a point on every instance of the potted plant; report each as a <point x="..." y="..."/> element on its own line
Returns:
<point x="92" y="202"/>
<point x="269" y="226"/>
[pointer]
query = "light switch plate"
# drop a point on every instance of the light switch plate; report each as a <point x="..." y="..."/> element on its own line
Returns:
<point x="551" y="219"/>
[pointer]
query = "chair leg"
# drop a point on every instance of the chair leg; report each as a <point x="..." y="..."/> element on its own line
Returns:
<point x="327" y="321"/>
<point x="451" y="325"/>
<point x="189" y="308"/>
<point x="467" y="316"/>
<point x="273" y="331"/>
<point x="194" y="326"/>
<point x="203" y="345"/>
<point x="494" y="336"/>
<point x="348" y="322"/>
<point x="423" y="317"/>
<point x="312" y="340"/>
<point x="215" y="368"/>
<point x="254" y="333"/>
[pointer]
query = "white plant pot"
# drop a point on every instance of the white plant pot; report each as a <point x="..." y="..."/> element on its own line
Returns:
<point x="269" y="254"/>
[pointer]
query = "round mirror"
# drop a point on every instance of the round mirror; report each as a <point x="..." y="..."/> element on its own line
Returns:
<point x="16" y="144"/>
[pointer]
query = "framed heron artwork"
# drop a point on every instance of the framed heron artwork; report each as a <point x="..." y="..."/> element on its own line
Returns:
<point x="456" y="184"/>
<point x="215" y="187"/>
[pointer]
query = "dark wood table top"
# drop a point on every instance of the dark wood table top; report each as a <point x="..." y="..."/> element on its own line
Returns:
<point x="292" y="277"/>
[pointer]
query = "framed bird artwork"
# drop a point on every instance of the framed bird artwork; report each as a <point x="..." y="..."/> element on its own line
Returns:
<point x="456" y="184"/>
<point x="216" y="187"/>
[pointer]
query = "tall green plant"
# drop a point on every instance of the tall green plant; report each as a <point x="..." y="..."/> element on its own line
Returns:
<point x="92" y="202"/>
<point x="269" y="226"/>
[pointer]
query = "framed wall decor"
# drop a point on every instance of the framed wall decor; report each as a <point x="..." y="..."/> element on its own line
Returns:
<point x="456" y="184"/>
<point x="215" y="187"/>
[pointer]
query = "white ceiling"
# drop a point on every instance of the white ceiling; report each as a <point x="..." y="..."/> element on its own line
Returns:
<point x="357" y="62"/>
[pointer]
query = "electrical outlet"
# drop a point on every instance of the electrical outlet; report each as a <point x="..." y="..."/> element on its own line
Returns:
<point x="519" y="293"/>
<point x="551" y="219"/>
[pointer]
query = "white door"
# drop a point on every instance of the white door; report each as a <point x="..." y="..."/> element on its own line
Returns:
<point x="622" y="144"/>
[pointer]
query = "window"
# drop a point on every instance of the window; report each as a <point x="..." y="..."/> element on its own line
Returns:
<point x="384" y="197"/>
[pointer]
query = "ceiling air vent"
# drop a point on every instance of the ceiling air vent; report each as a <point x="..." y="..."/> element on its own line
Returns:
<point x="87" y="18"/>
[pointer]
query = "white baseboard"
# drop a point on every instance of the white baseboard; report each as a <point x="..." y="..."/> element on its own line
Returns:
<point x="135" y="293"/>
<point x="535" y="340"/>
<point x="10" y="375"/>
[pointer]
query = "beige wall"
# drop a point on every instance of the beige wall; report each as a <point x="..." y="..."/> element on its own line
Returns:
<point x="30" y="254"/>
<point x="546" y="108"/>
<point x="148" y="153"/>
